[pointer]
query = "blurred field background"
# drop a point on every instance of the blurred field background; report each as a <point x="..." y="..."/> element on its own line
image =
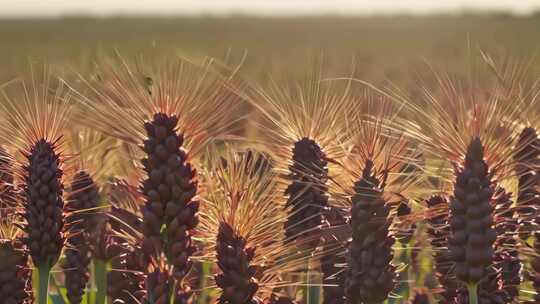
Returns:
<point x="395" y="49"/>
<point x="385" y="50"/>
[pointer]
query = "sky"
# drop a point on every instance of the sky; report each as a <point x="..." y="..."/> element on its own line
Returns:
<point x="52" y="8"/>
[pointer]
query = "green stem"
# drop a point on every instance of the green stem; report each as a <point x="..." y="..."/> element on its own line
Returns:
<point x="206" y="268"/>
<point x="313" y="288"/>
<point x="43" y="283"/>
<point x="473" y="294"/>
<point x="100" y="270"/>
<point x="172" y="297"/>
<point x="60" y="294"/>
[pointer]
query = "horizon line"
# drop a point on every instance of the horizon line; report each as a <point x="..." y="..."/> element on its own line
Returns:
<point x="249" y="14"/>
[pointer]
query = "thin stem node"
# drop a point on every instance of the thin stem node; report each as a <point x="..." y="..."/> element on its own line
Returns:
<point x="473" y="294"/>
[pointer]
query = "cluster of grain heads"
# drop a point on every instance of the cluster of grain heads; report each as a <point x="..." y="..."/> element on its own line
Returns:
<point x="472" y="132"/>
<point x="86" y="215"/>
<point x="319" y="214"/>
<point x="527" y="166"/>
<point x="481" y="241"/>
<point x="36" y="114"/>
<point x="14" y="271"/>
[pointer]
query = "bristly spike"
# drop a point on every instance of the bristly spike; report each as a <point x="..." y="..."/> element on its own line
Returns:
<point x="242" y="221"/>
<point x="170" y="209"/>
<point x="307" y="122"/>
<point x="172" y="113"/>
<point x="43" y="191"/>
<point x="370" y="276"/>
<point x="37" y="113"/>
<point x="372" y="166"/>
<point x="472" y="237"/>
<point x="307" y="192"/>
<point x="527" y="169"/>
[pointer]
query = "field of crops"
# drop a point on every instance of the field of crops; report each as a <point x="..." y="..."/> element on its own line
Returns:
<point x="245" y="160"/>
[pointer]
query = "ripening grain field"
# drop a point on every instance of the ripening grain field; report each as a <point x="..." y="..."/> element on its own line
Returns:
<point x="288" y="160"/>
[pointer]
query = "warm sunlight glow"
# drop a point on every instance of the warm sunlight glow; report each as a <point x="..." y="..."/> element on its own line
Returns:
<point x="263" y="7"/>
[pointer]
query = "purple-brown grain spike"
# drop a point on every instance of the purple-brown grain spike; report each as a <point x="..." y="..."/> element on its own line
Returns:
<point x="307" y="193"/>
<point x="126" y="279"/>
<point x="333" y="275"/>
<point x="104" y="243"/>
<point x="8" y="190"/>
<point x="14" y="273"/>
<point x="76" y="269"/>
<point x="370" y="275"/>
<point x="237" y="278"/>
<point x="489" y="291"/>
<point x="43" y="212"/>
<point x="534" y="274"/>
<point x="81" y="203"/>
<point x="471" y="220"/>
<point x="159" y="285"/>
<point x="439" y="232"/>
<point x="169" y="211"/>
<point x="404" y="231"/>
<point x="507" y="258"/>
<point x="527" y="159"/>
